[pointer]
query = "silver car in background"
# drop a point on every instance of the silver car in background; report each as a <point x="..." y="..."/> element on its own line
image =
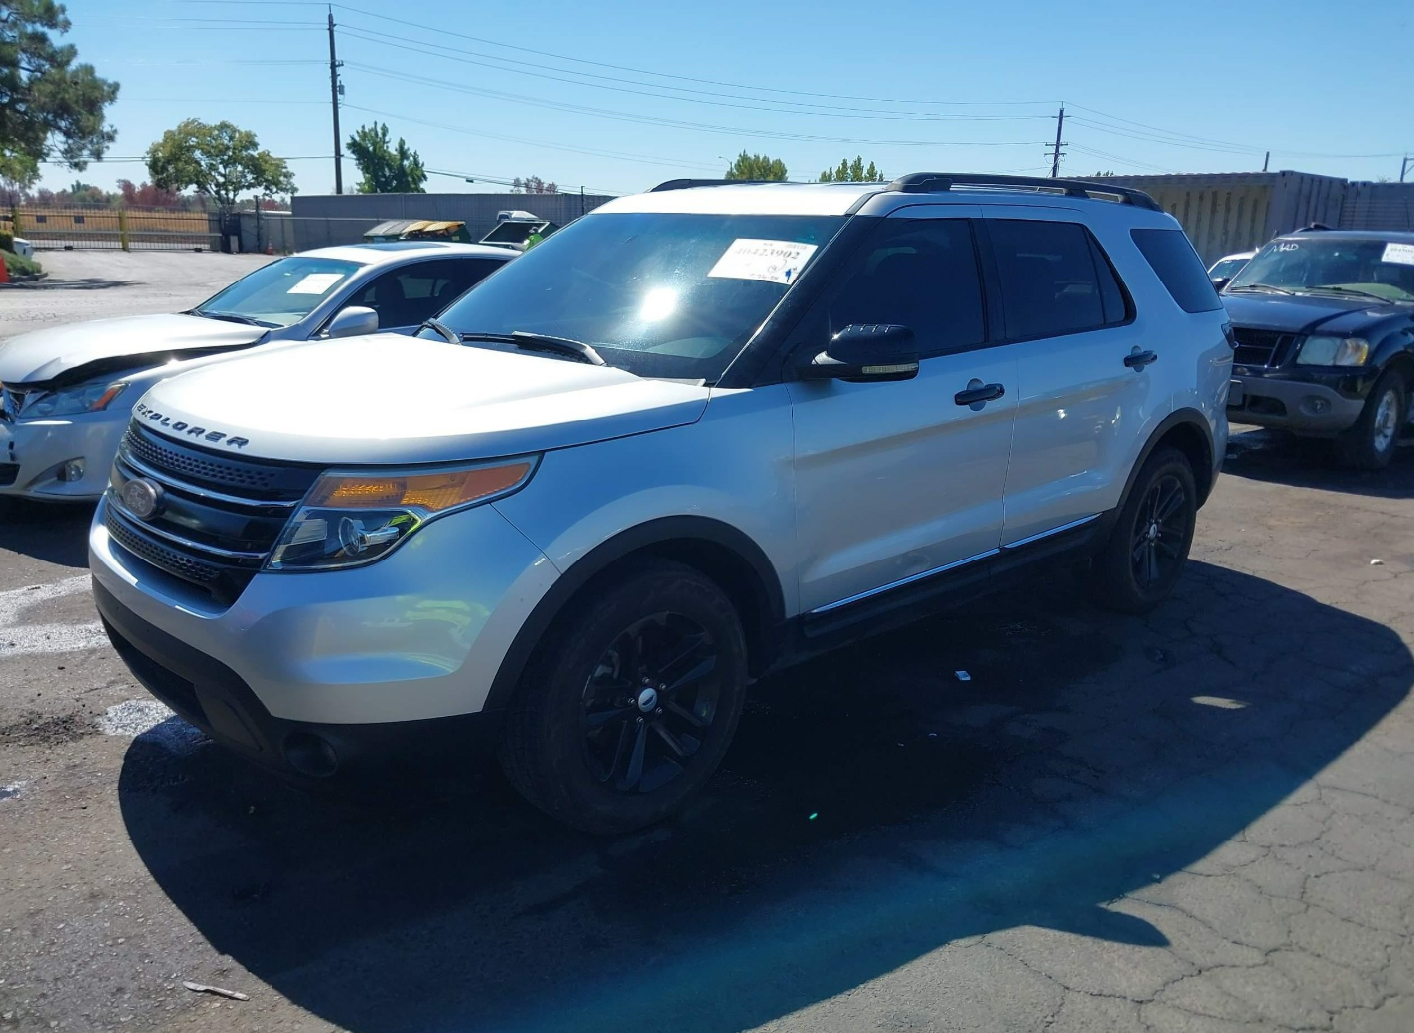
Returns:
<point x="66" y="393"/>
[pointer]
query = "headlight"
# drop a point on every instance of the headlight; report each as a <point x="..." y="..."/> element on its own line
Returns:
<point x="93" y="396"/>
<point x="352" y="518"/>
<point x="1333" y="351"/>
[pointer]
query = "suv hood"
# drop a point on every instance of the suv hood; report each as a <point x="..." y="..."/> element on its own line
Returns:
<point x="388" y="399"/>
<point x="43" y="355"/>
<point x="1307" y="313"/>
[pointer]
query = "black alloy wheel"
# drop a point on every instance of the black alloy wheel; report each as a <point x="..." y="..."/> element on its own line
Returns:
<point x="1160" y="531"/>
<point x="650" y="702"/>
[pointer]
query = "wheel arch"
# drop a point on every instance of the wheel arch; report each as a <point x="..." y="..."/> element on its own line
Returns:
<point x="722" y="552"/>
<point x="1188" y="431"/>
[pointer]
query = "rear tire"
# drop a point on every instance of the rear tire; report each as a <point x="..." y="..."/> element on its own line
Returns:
<point x="1370" y="444"/>
<point x="630" y="701"/>
<point x="1141" y="562"/>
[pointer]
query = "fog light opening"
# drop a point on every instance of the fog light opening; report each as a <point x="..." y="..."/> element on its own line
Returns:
<point x="1315" y="405"/>
<point x="71" y="471"/>
<point x="310" y="755"/>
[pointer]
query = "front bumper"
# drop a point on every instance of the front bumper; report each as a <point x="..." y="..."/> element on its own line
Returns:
<point x="416" y="636"/>
<point x="33" y="454"/>
<point x="1315" y="401"/>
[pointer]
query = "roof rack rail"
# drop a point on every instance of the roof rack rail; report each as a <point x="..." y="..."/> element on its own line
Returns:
<point x="688" y="184"/>
<point x="941" y="182"/>
<point x="1315" y="227"/>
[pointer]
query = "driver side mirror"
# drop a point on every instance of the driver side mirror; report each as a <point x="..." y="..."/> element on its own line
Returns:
<point x="864" y="352"/>
<point x="354" y="321"/>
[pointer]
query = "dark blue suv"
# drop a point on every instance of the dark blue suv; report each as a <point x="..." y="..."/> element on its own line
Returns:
<point x="1324" y="328"/>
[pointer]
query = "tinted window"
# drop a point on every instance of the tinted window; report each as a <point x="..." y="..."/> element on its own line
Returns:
<point x="1054" y="278"/>
<point x="1177" y="265"/>
<point x="921" y="273"/>
<point x="407" y="296"/>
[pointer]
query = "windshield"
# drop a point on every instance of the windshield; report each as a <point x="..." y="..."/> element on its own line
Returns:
<point x="1227" y="268"/>
<point x="660" y="295"/>
<point x="281" y="293"/>
<point x="1375" y="267"/>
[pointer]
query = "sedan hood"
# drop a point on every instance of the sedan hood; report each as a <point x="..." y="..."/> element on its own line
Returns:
<point x="388" y="399"/>
<point x="64" y="352"/>
<point x="1307" y="313"/>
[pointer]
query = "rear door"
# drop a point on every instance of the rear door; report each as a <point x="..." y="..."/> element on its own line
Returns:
<point x="895" y="481"/>
<point x="1079" y="406"/>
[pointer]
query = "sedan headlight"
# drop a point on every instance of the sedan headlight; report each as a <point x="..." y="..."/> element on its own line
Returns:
<point x="352" y="518"/>
<point x="93" y="396"/>
<point x="1333" y="351"/>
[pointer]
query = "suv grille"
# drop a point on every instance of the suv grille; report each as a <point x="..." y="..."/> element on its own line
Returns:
<point x="1261" y="347"/>
<point x="219" y="517"/>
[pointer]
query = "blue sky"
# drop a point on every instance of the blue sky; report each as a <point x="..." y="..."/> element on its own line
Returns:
<point x="640" y="92"/>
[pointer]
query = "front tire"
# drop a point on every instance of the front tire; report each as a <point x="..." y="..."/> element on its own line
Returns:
<point x="1370" y="444"/>
<point x="631" y="700"/>
<point x="1141" y="562"/>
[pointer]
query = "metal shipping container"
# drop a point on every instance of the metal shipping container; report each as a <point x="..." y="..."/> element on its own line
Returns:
<point x="1226" y="212"/>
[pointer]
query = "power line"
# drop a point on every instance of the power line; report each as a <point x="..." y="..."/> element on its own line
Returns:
<point x="624" y="116"/>
<point x="464" y="57"/>
<point x="639" y="158"/>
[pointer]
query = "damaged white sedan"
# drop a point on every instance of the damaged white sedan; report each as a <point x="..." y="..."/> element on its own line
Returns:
<point x="66" y="393"/>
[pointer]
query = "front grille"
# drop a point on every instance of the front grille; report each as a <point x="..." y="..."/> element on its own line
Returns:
<point x="219" y="517"/>
<point x="1269" y="348"/>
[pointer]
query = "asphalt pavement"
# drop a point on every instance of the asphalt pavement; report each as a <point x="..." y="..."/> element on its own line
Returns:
<point x="1194" y="821"/>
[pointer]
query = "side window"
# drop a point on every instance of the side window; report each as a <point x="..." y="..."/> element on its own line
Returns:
<point x="1176" y="264"/>
<point x="1054" y="278"/>
<point x="405" y="297"/>
<point x="918" y="272"/>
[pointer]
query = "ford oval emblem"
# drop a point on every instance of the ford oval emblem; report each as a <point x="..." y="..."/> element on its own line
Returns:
<point x="142" y="498"/>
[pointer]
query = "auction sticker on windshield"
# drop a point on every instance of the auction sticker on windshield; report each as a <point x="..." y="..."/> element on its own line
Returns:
<point x="1399" y="254"/>
<point x="775" y="261"/>
<point x="315" y="283"/>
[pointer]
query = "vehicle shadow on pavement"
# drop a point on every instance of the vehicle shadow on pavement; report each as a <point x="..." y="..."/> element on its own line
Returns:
<point x="53" y="532"/>
<point x="1264" y="455"/>
<point x="87" y="284"/>
<point x="875" y="807"/>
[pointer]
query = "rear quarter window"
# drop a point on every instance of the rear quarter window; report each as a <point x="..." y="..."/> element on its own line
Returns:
<point x="1176" y="264"/>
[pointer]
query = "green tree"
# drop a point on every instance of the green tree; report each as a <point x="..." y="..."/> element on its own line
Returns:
<point x="48" y="104"/>
<point x="757" y="167"/>
<point x="220" y="161"/>
<point x="386" y="169"/>
<point x="852" y="172"/>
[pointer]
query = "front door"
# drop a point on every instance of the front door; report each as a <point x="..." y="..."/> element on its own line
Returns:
<point x="896" y="481"/>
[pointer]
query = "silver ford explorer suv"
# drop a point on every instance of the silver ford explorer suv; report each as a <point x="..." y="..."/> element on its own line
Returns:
<point x="697" y="435"/>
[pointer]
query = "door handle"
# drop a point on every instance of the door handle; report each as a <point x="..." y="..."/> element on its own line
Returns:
<point x="978" y="394"/>
<point x="1137" y="360"/>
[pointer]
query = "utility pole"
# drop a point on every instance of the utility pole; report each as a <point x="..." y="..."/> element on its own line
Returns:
<point x="1056" y="151"/>
<point x="1404" y="166"/>
<point x="334" y="90"/>
<point x="1266" y="161"/>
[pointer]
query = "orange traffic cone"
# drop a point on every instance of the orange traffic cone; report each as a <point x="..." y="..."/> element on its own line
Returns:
<point x="4" y="273"/>
<point x="270" y="249"/>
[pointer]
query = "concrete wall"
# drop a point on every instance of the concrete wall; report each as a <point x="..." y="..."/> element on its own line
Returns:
<point x="321" y="220"/>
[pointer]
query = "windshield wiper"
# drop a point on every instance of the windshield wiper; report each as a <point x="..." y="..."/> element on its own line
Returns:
<point x="232" y="317"/>
<point x="1336" y="288"/>
<point x="448" y="334"/>
<point x="1259" y="287"/>
<point x="543" y="342"/>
